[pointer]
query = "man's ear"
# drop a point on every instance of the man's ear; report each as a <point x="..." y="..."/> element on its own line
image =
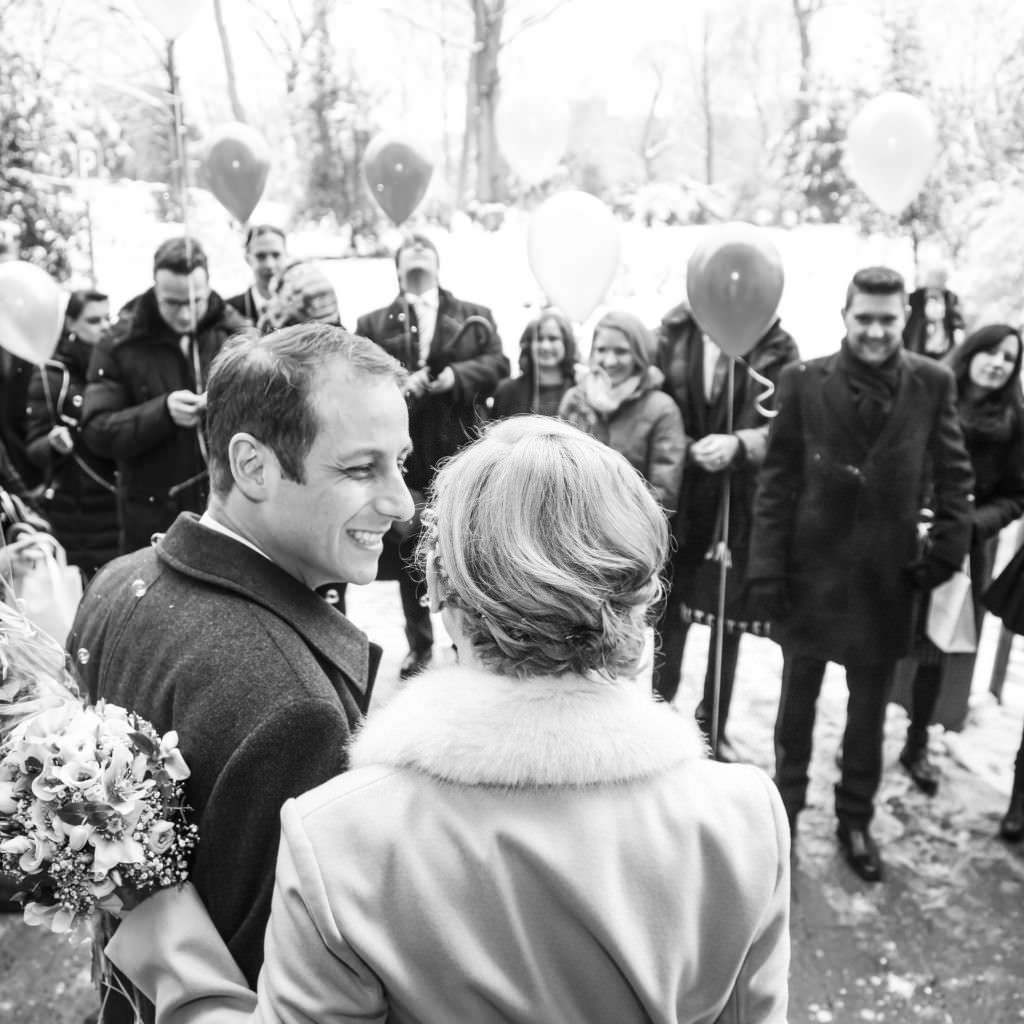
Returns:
<point x="253" y="466"/>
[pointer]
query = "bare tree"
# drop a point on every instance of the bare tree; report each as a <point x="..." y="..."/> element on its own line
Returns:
<point x="237" y="110"/>
<point x="654" y="138"/>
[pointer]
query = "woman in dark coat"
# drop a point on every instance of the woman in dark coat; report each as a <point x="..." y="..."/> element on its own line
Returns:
<point x="79" y="496"/>
<point x="547" y="363"/>
<point x="991" y="409"/>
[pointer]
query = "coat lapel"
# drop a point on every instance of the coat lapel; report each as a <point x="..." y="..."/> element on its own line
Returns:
<point x="839" y="401"/>
<point x="219" y="560"/>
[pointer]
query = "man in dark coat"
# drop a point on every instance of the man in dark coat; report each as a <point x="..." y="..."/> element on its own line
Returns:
<point x="218" y="631"/>
<point x="265" y="252"/>
<point x="696" y="377"/>
<point x="145" y="396"/>
<point x="835" y="552"/>
<point x="453" y="352"/>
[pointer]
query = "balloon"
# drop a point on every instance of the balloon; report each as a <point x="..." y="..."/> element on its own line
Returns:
<point x="238" y="162"/>
<point x="170" y="17"/>
<point x="533" y="134"/>
<point x="891" y="147"/>
<point x="31" y="311"/>
<point x="573" y="246"/>
<point x="734" y="283"/>
<point x="398" y="175"/>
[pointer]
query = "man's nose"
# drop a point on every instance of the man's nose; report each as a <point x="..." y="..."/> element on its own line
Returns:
<point x="875" y="330"/>
<point x="396" y="502"/>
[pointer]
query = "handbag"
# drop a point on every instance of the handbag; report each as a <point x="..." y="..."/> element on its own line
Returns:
<point x="48" y="593"/>
<point x="950" y="624"/>
<point x="1005" y="597"/>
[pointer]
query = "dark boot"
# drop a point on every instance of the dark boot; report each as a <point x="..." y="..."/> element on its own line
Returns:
<point x="1012" y="825"/>
<point x="914" y="757"/>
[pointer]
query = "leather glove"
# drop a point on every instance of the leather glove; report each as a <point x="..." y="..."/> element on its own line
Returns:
<point x="768" y="600"/>
<point x="927" y="573"/>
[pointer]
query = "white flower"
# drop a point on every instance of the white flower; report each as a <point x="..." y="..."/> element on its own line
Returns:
<point x="174" y="763"/>
<point x="108" y="853"/>
<point x="58" y="919"/>
<point x="8" y="797"/>
<point x="161" y="837"/>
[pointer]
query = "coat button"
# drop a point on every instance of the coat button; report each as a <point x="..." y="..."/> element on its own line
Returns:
<point x="76" y="401"/>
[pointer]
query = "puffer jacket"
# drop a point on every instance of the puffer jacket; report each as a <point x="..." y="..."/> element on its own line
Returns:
<point x="646" y="428"/>
<point x="80" y="494"/>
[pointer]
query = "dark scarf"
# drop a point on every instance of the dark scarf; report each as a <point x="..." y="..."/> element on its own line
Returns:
<point x="872" y="388"/>
<point x="989" y="419"/>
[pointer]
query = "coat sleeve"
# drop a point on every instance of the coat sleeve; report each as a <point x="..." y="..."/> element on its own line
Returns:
<point x="476" y="378"/>
<point x="761" y="993"/>
<point x="666" y="453"/>
<point x="779" y="484"/>
<point x="112" y="427"/>
<point x="38" y="422"/>
<point x="953" y="480"/>
<point x="1006" y="503"/>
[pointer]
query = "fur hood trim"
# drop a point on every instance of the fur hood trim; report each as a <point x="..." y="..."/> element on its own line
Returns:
<point x="466" y="725"/>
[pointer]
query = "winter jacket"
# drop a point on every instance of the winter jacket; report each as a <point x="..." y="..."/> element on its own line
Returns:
<point x="474" y="867"/>
<point x="262" y="680"/>
<point x="440" y="424"/>
<point x="80" y="494"/>
<point x="161" y="466"/>
<point x="836" y="516"/>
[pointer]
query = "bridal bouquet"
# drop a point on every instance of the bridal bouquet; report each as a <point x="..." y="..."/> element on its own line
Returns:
<point x="91" y="799"/>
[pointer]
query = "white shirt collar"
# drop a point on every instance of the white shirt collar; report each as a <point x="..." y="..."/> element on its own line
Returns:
<point x="429" y="298"/>
<point x="207" y="520"/>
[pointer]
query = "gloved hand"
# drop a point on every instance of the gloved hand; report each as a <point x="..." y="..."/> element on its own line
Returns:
<point x="927" y="573"/>
<point x="768" y="600"/>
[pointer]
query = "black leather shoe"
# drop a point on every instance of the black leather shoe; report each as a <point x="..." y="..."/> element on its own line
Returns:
<point x="861" y="852"/>
<point x="1012" y="826"/>
<point x="414" y="663"/>
<point x="920" y="769"/>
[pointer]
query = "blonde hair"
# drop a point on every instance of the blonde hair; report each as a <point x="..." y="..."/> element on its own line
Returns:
<point x="551" y="544"/>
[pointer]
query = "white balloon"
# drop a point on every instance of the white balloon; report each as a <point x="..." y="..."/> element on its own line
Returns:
<point x="891" y="147"/>
<point x="170" y="17"/>
<point x="573" y="245"/>
<point x="533" y="134"/>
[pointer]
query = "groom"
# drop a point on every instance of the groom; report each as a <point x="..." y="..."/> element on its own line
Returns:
<point x="217" y="630"/>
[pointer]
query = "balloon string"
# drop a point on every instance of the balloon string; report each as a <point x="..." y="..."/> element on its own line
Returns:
<point x="769" y="390"/>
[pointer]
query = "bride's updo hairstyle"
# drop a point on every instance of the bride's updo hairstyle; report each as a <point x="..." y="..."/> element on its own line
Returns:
<point x="551" y="544"/>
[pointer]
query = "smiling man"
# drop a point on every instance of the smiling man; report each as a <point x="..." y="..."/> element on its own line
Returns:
<point x="863" y="439"/>
<point x="218" y="631"/>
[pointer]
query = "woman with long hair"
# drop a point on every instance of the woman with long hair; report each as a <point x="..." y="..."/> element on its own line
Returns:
<point x="547" y="366"/>
<point x="530" y="834"/>
<point x="79" y="495"/>
<point x="987" y="368"/>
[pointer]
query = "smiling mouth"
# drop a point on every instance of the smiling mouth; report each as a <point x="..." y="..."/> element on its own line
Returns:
<point x="367" y="538"/>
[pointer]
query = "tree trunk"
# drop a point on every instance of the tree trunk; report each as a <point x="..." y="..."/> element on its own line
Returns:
<point x="705" y="102"/>
<point x="489" y="176"/>
<point x="237" y="110"/>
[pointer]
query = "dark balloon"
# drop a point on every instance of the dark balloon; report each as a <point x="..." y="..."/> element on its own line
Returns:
<point x="238" y="162"/>
<point x="398" y="176"/>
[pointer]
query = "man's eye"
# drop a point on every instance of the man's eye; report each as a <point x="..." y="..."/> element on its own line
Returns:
<point x="359" y="472"/>
<point x="403" y="466"/>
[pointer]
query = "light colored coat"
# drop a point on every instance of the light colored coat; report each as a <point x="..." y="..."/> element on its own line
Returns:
<point x="506" y="851"/>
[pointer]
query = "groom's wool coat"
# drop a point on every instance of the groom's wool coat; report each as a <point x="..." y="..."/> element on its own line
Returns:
<point x="262" y="680"/>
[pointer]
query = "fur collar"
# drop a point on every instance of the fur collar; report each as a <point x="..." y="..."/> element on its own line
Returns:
<point x="470" y="726"/>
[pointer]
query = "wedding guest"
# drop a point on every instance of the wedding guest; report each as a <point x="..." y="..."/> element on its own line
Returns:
<point x="935" y="324"/>
<point x="528" y="835"/>
<point x="620" y="402"/>
<point x="547" y="364"/>
<point x="217" y="631"/>
<point x="145" y="398"/>
<point x="265" y="249"/>
<point x="453" y="353"/>
<point x="299" y="294"/>
<point x="991" y="408"/>
<point x="80" y="494"/>
<point x="834" y="556"/>
<point x="696" y="376"/>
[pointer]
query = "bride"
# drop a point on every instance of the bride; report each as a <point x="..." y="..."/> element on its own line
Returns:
<point x="527" y="836"/>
